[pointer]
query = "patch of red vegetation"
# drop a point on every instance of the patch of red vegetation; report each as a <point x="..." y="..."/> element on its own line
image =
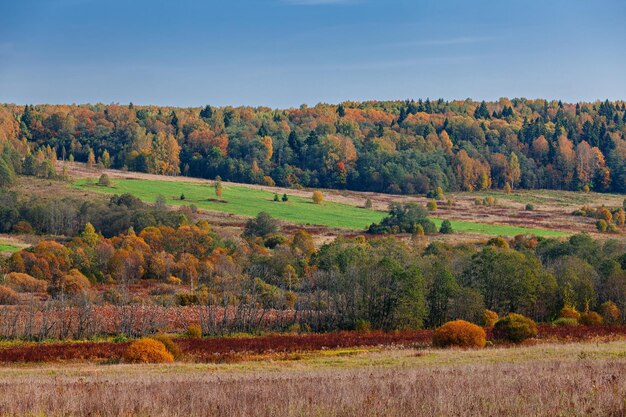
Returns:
<point x="235" y="348"/>
<point x="208" y="350"/>
<point x="57" y="352"/>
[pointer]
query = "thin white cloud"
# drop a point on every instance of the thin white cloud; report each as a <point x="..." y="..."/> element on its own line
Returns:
<point x="317" y="2"/>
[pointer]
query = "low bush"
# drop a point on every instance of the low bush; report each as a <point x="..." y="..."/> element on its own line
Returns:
<point x="612" y="228"/>
<point x="24" y="283"/>
<point x="569" y="313"/>
<point x="446" y="227"/>
<point x="514" y="328"/>
<point x="187" y="299"/>
<point x="23" y="227"/>
<point x="563" y="321"/>
<point x="590" y="318"/>
<point x="104" y="181"/>
<point x="8" y="296"/>
<point x="363" y="326"/>
<point x="194" y="331"/>
<point x="610" y="313"/>
<point x="147" y="351"/>
<point x="602" y="225"/>
<point x="169" y="344"/>
<point x="490" y="318"/>
<point x="163" y="289"/>
<point x="74" y="282"/>
<point x="498" y="242"/>
<point x="317" y="197"/>
<point x="460" y="333"/>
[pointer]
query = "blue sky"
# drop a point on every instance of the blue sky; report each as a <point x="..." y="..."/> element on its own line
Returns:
<point x="282" y="53"/>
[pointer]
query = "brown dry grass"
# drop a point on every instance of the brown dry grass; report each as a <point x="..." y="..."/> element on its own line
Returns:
<point x="573" y="380"/>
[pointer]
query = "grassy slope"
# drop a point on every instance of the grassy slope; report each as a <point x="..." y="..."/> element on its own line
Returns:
<point x="249" y="202"/>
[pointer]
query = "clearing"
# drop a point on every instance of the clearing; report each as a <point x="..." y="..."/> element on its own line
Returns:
<point x="249" y="201"/>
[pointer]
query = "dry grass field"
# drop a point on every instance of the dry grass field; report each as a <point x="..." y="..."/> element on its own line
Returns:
<point x="577" y="379"/>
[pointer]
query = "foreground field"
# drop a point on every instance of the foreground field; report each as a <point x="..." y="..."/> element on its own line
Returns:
<point x="545" y="380"/>
<point x="249" y="201"/>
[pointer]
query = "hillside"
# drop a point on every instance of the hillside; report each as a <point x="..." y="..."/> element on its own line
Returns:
<point x="397" y="147"/>
<point x="551" y="216"/>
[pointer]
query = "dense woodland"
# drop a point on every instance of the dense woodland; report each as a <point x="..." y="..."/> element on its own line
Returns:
<point x="396" y="147"/>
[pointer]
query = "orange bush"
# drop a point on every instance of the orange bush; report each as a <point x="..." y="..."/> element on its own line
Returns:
<point x="75" y="282"/>
<point x="610" y="312"/>
<point x="147" y="351"/>
<point x="569" y="313"/>
<point x="490" y="318"/>
<point x="515" y="328"/>
<point x="460" y="333"/>
<point x="318" y="197"/>
<point x="8" y="296"/>
<point x="590" y="318"/>
<point x="24" y="283"/>
<point x="169" y="344"/>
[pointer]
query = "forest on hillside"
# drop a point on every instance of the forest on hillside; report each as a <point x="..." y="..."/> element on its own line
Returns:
<point x="400" y="147"/>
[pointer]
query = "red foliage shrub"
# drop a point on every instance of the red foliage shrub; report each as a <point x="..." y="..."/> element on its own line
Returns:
<point x="215" y="349"/>
<point x="50" y="352"/>
<point x="460" y="333"/>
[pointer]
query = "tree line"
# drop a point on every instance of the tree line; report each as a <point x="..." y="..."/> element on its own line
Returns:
<point x="393" y="146"/>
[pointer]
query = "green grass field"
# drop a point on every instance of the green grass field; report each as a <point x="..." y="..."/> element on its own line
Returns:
<point x="249" y="202"/>
<point x="8" y="248"/>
